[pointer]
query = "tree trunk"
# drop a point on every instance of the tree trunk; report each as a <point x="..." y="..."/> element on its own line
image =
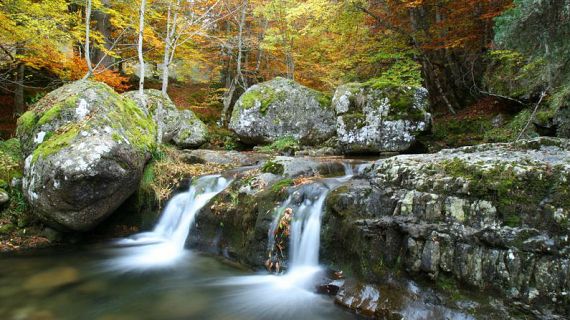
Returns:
<point x="88" y="40"/>
<point x="19" y="105"/>
<point x="169" y="46"/>
<point x="240" y="45"/>
<point x="228" y="98"/>
<point x="140" y="50"/>
<point x="103" y="26"/>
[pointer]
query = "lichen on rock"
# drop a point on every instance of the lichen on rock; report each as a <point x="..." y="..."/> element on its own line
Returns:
<point x="180" y="127"/>
<point x="278" y="108"/>
<point x="373" y="119"/>
<point x="85" y="147"/>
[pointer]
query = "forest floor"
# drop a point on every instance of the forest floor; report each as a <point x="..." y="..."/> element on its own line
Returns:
<point x="482" y="122"/>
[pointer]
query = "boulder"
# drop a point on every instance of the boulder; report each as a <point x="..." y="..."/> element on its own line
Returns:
<point x="192" y="132"/>
<point x="489" y="216"/>
<point x="279" y="108"/>
<point x="85" y="148"/>
<point x="180" y="127"/>
<point x="375" y="119"/>
<point x="294" y="167"/>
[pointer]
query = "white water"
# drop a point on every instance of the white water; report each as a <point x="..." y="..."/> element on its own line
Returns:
<point x="164" y="246"/>
<point x="306" y="233"/>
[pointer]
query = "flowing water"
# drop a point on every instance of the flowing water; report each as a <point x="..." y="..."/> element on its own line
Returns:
<point x="164" y="246"/>
<point x="60" y="284"/>
<point x="152" y="276"/>
<point x="296" y="285"/>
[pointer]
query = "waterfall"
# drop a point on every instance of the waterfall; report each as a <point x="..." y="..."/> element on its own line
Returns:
<point x="305" y="233"/>
<point x="296" y="286"/>
<point x="164" y="245"/>
<point x="307" y="204"/>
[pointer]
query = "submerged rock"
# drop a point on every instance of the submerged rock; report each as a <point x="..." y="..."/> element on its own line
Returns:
<point x="85" y="147"/>
<point x="180" y="127"/>
<point x="52" y="279"/>
<point x="279" y="108"/>
<point x="374" y="120"/>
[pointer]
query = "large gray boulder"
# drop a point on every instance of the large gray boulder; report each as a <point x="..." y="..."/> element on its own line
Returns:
<point x="280" y="107"/>
<point x="85" y="148"/>
<point x="373" y="119"/>
<point x="180" y="127"/>
<point x="489" y="216"/>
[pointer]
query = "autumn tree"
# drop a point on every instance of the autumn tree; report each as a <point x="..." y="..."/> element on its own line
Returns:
<point x="32" y="37"/>
<point x="450" y="38"/>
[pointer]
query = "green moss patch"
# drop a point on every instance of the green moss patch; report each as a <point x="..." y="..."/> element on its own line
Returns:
<point x="10" y="160"/>
<point x="56" y="111"/>
<point x="61" y="139"/>
<point x="516" y="196"/>
<point x="283" y="145"/>
<point x="264" y="94"/>
<point x="26" y="123"/>
<point x="273" y="167"/>
<point x="281" y="185"/>
<point x="354" y="121"/>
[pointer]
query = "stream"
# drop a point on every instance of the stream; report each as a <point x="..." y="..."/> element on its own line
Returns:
<point x="151" y="275"/>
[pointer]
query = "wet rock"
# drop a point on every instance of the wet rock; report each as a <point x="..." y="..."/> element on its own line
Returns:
<point x="320" y="152"/>
<point x="52" y="279"/>
<point x="279" y="108"/>
<point x="371" y="300"/>
<point x="376" y="120"/>
<point x="294" y="167"/>
<point x="490" y="216"/>
<point x="180" y="127"/>
<point x="233" y="158"/>
<point x="85" y="147"/>
<point x="330" y="289"/>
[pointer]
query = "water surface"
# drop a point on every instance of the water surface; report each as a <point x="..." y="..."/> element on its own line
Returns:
<point x="77" y="283"/>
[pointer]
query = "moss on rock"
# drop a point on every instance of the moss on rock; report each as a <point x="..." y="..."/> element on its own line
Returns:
<point x="265" y="96"/>
<point x="273" y="167"/>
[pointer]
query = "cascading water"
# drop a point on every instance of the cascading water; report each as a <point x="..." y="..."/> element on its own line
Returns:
<point x="306" y="226"/>
<point x="295" y="286"/>
<point x="305" y="233"/>
<point x="165" y="244"/>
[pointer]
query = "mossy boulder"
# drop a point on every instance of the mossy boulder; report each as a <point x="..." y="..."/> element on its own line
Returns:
<point x="379" y="118"/>
<point x="179" y="127"/>
<point x="488" y="216"/>
<point x="279" y="108"/>
<point x="85" y="148"/>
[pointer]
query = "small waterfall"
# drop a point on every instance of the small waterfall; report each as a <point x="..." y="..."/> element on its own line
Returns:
<point x="307" y="204"/>
<point x="165" y="244"/>
<point x="306" y="233"/>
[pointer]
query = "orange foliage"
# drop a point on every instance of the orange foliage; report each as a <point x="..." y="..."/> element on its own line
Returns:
<point x="75" y="68"/>
<point x="441" y="24"/>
